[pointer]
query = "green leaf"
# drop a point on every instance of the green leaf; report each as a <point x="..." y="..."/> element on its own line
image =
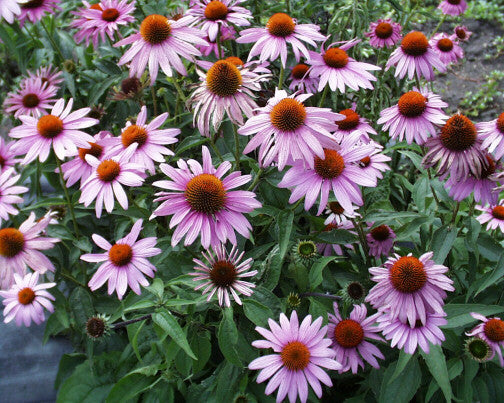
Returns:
<point x="165" y="320"/>
<point x="130" y="386"/>
<point x="227" y="336"/>
<point x="284" y="221"/>
<point x="404" y="387"/>
<point x="488" y="248"/>
<point x="458" y="315"/>
<point x="335" y="236"/>
<point x="471" y="368"/>
<point x="401" y="364"/>
<point x="67" y="365"/>
<point x="436" y="362"/>
<point x="200" y="343"/>
<point x="315" y="275"/>
<point x="256" y="312"/>
<point x="493" y="277"/>
<point x="442" y="242"/>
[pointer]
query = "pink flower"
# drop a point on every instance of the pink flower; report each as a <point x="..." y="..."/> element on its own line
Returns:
<point x="150" y="140"/>
<point x="334" y="67"/>
<point x="300" y="351"/>
<point x="416" y="116"/>
<point x="21" y="247"/>
<point x="380" y="240"/>
<point x="9" y="9"/>
<point x="493" y="215"/>
<point x="106" y="179"/>
<point x="7" y="155"/>
<point x="202" y="203"/>
<point x="281" y="29"/>
<point x="25" y="300"/>
<point x="349" y="338"/>
<point x="453" y="7"/>
<point x="59" y="130"/>
<point x="212" y="47"/>
<point x="415" y="56"/>
<point x="449" y="51"/>
<point x="384" y="33"/>
<point x="301" y="80"/>
<point x="353" y="122"/>
<point x="492" y="331"/>
<point x="34" y="10"/>
<point x="9" y="193"/>
<point x="33" y="98"/>
<point x="375" y="163"/>
<point x="338" y="214"/>
<point x="223" y="273"/>
<point x="125" y="264"/>
<point x="409" y="287"/>
<point x="461" y="33"/>
<point x="48" y="74"/>
<point x="161" y="42"/>
<point x="287" y="130"/>
<point x="492" y="134"/>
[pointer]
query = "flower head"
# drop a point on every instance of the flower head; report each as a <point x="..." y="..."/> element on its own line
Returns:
<point x="299" y="352"/>
<point x="25" y="300"/>
<point x="223" y="273"/>
<point x="353" y="122"/>
<point x="48" y="74"/>
<point x="493" y="215"/>
<point x="7" y="155"/>
<point x="202" y="202"/>
<point x="9" y="9"/>
<point x="492" y="331"/>
<point x="34" y="98"/>
<point x="478" y="349"/>
<point x="492" y="134"/>
<point x="380" y="240"/>
<point x="9" y="193"/>
<point x="384" y="33"/>
<point x="449" y="50"/>
<point x="353" y="292"/>
<point x="338" y="214"/>
<point x="125" y="264"/>
<point x="34" y="10"/>
<point x="97" y="326"/>
<point x="453" y="7"/>
<point x="461" y="33"/>
<point x="373" y="164"/>
<point x="301" y="79"/>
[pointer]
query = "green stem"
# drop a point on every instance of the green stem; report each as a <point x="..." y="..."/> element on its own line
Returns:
<point x="51" y="39"/>
<point x="38" y="188"/>
<point x="281" y="78"/>
<point x="216" y="150"/>
<point x="319" y="294"/>
<point x="443" y="18"/>
<point x="179" y="89"/>
<point x="322" y="99"/>
<point x="67" y="196"/>
<point x="237" y="147"/>
<point x="256" y="179"/>
<point x="455" y="212"/>
<point x="219" y="45"/>
<point x="363" y="241"/>
<point x="154" y="100"/>
<point x="288" y="7"/>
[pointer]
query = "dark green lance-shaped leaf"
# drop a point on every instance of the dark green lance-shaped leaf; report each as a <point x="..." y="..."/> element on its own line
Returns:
<point x="284" y="221"/>
<point x="494" y="276"/>
<point x="471" y="368"/>
<point x="315" y="275"/>
<point x="488" y="248"/>
<point x="459" y="314"/>
<point x="228" y="337"/>
<point x="436" y="362"/>
<point x="401" y="364"/>
<point x="191" y="142"/>
<point x="336" y="236"/>
<point x="130" y="386"/>
<point x="256" y="312"/>
<point x="165" y="320"/>
<point x="404" y="387"/>
<point x="200" y="343"/>
<point x="82" y="305"/>
<point x="442" y="242"/>
<point x="67" y="365"/>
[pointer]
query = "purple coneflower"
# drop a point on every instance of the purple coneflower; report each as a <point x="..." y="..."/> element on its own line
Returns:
<point x="456" y="150"/>
<point x="453" y="7"/>
<point x="415" y="117"/>
<point x="353" y="122"/>
<point x="409" y="337"/>
<point x="348" y="336"/>
<point x="449" y="51"/>
<point x="125" y="264"/>
<point x="334" y="67"/>
<point x="25" y="300"/>
<point x="7" y="155"/>
<point x="493" y="215"/>
<point x="492" y="134"/>
<point x="58" y="130"/>
<point x="212" y="15"/>
<point x="300" y="351"/>
<point x="301" y="80"/>
<point x="223" y="273"/>
<point x="9" y="193"/>
<point x="226" y="34"/>
<point x="338" y="214"/>
<point x="33" y="98"/>
<point x="202" y="203"/>
<point x="281" y="29"/>
<point x="492" y="331"/>
<point x="380" y="240"/>
<point x="48" y="74"/>
<point x="150" y="140"/>
<point x="409" y="287"/>
<point x="461" y="33"/>
<point x="161" y="42"/>
<point x="9" y="9"/>
<point x="384" y="33"/>
<point x="21" y="247"/>
<point x="34" y="10"/>
<point x="415" y="56"/>
<point x="287" y="130"/>
<point x="327" y="249"/>
<point x="107" y="179"/>
<point x="375" y="163"/>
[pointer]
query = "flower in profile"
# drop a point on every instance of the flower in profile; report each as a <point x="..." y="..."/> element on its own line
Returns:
<point x="334" y="67"/>
<point x="478" y="349"/>
<point x="483" y="187"/>
<point x="48" y="74"/>
<point x="304" y="252"/>
<point x="338" y="214"/>
<point x="349" y="338"/>
<point x="410" y="337"/>
<point x="449" y="51"/>
<point x="9" y="9"/>
<point x="33" y="98"/>
<point x="100" y="19"/>
<point x="328" y="249"/>
<point x="7" y="155"/>
<point x="227" y="33"/>
<point x="223" y="273"/>
<point x="161" y="42"/>
<point x="271" y="41"/>
<point x="131" y="88"/>
<point x="492" y="331"/>
<point x="409" y="287"/>
<point x="461" y="33"/>
<point x="150" y="140"/>
<point x="453" y="7"/>
<point x="78" y="169"/>
<point x="380" y="240"/>
<point x="492" y="134"/>
<point x="58" y="130"/>
<point x="353" y="122"/>
<point x="126" y="262"/>
<point x="106" y="179"/>
<point x="384" y="33"/>
<point x="493" y="215"/>
<point x="375" y="163"/>
<point x="212" y="15"/>
<point x="415" y="117"/>
<point x="98" y="326"/>
<point x="337" y="171"/>
<point x="35" y="10"/>
<point x="26" y="299"/>
<point x="286" y="130"/>
<point x="456" y="150"/>
<point x="225" y="88"/>
<point x="415" y="56"/>
<point x="21" y="247"/>
<point x="301" y="80"/>
<point x="9" y="193"/>
<point x="202" y="202"/>
<point x="299" y="353"/>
